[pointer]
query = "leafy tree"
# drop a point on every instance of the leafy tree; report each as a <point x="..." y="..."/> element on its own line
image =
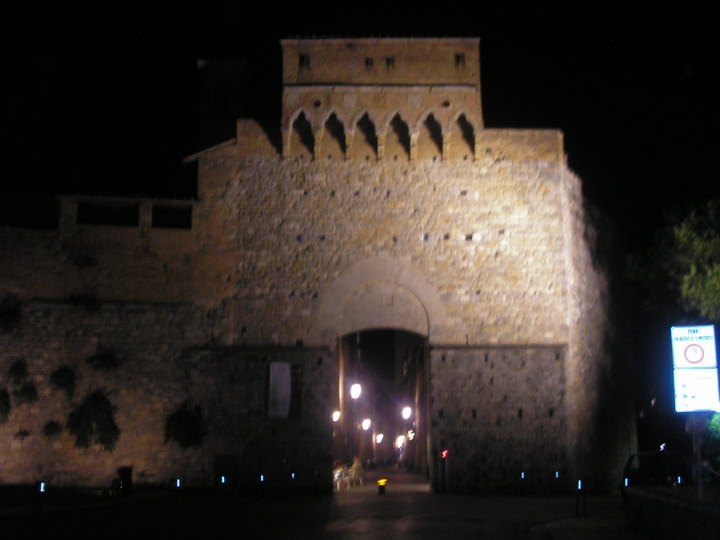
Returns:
<point x="697" y="240"/>
<point x="681" y="270"/>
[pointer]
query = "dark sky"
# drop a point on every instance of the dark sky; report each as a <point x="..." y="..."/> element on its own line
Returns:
<point x="107" y="102"/>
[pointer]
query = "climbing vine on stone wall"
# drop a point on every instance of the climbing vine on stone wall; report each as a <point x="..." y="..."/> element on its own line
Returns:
<point x="25" y="391"/>
<point x="5" y="406"/>
<point x="93" y="421"/>
<point x="186" y="426"/>
<point x="52" y="428"/>
<point x="18" y="372"/>
<point x="63" y="379"/>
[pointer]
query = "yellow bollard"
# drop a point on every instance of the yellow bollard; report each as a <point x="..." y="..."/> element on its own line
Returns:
<point x="381" y="483"/>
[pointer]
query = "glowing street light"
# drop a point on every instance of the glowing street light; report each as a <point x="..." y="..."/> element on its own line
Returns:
<point x="379" y="438"/>
<point x="366" y="424"/>
<point x="406" y="413"/>
<point x="355" y="391"/>
<point x="400" y="442"/>
<point x="336" y="416"/>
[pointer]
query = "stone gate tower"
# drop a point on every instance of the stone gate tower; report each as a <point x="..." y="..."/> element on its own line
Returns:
<point x="389" y="205"/>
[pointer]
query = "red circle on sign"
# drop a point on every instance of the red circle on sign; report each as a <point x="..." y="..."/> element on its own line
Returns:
<point x="694" y="353"/>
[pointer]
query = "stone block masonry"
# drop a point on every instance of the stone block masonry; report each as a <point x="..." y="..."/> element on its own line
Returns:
<point x="501" y="413"/>
<point x="389" y="205"/>
<point x="162" y="363"/>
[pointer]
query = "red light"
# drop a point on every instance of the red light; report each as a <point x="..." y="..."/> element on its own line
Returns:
<point x="444" y="454"/>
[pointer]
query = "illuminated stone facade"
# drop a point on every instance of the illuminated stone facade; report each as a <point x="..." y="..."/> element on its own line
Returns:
<point x="389" y="205"/>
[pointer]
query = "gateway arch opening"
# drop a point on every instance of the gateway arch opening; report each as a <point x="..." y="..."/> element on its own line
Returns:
<point x="383" y="393"/>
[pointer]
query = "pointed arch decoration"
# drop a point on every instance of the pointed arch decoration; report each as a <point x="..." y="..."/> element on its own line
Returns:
<point x="462" y="135"/>
<point x="333" y="143"/>
<point x="301" y="139"/>
<point x="365" y="141"/>
<point x="397" y="139"/>
<point x="430" y="137"/>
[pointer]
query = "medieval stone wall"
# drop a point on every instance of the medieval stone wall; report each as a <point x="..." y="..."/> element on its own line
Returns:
<point x="486" y="235"/>
<point x="501" y="414"/>
<point x="163" y="362"/>
<point x="388" y="206"/>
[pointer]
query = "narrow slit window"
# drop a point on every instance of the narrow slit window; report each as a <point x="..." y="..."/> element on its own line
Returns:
<point x="303" y="61"/>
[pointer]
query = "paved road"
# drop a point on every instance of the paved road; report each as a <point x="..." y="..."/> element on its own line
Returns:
<point x="407" y="511"/>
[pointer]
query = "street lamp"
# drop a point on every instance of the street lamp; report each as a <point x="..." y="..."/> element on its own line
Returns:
<point x="366" y="424"/>
<point x="336" y="416"/>
<point x="355" y="391"/>
<point x="406" y="413"/>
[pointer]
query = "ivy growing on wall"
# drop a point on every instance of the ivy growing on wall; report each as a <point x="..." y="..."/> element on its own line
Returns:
<point x="25" y="391"/>
<point x="186" y="426"/>
<point x="63" y="379"/>
<point x="52" y="428"/>
<point x="93" y="421"/>
<point x="18" y="372"/>
<point x="4" y="405"/>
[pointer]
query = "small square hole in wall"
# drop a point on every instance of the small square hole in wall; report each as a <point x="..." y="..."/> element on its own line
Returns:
<point x="369" y="63"/>
<point x="468" y="237"/>
<point x="446" y="236"/>
<point x="459" y="60"/>
<point x="389" y="62"/>
<point x="304" y="61"/>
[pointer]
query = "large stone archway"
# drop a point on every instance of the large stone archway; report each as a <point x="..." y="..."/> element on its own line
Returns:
<point x="379" y="292"/>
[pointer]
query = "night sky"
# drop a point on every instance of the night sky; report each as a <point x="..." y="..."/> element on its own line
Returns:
<point x="110" y="102"/>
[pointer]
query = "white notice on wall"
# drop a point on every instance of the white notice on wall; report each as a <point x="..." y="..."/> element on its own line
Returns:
<point x="279" y="391"/>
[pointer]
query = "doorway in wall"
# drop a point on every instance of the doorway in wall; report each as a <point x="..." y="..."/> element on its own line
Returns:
<point x="383" y="400"/>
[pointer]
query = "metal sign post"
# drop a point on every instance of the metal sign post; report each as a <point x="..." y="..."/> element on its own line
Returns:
<point x="696" y="383"/>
